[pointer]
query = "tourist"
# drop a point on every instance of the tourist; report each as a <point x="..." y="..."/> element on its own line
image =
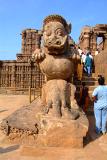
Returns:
<point x="93" y="66"/>
<point x="90" y="55"/>
<point x="88" y="64"/>
<point x="84" y="97"/>
<point x="79" y="70"/>
<point x="83" y="57"/>
<point x="80" y="51"/>
<point x="100" y="105"/>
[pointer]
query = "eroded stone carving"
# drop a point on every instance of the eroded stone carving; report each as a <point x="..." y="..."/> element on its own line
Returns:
<point x="55" y="58"/>
<point x="54" y="119"/>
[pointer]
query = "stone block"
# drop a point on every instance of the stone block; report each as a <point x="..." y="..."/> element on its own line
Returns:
<point x="62" y="132"/>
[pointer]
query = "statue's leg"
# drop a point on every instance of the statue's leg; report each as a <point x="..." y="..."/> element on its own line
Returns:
<point x="66" y="110"/>
<point x="57" y="109"/>
<point x="47" y="107"/>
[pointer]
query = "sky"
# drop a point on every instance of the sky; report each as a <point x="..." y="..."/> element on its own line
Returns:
<point x="16" y="15"/>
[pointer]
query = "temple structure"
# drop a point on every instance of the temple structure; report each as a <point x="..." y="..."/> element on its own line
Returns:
<point x="21" y="73"/>
<point x="89" y="37"/>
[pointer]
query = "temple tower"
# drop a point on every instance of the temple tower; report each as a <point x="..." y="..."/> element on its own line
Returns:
<point x="30" y="41"/>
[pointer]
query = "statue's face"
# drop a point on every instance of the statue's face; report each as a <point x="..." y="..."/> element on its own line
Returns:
<point x="55" y="37"/>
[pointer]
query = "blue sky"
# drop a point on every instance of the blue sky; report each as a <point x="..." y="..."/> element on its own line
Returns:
<point x="16" y="15"/>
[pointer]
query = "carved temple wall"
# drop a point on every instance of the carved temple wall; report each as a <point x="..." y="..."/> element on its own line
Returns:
<point x="21" y="73"/>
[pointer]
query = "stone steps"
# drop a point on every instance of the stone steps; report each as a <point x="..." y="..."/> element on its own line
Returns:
<point x="91" y="83"/>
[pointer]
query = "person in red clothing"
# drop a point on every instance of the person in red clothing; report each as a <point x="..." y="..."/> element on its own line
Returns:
<point x="84" y="97"/>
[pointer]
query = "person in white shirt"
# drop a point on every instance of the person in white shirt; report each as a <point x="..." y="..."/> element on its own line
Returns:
<point x="90" y="55"/>
<point x="83" y="58"/>
<point x="80" y="51"/>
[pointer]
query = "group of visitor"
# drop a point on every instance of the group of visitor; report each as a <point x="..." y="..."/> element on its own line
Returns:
<point x="99" y="94"/>
<point x="99" y="97"/>
<point x="86" y="61"/>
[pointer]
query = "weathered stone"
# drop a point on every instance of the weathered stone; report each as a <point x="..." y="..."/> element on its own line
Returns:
<point x="24" y="118"/>
<point x="89" y="35"/>
<point x="62" y="132"/>
<point x="17" y="75"/>
<point x="56" y="60"/>
<point x="55" y="118"/>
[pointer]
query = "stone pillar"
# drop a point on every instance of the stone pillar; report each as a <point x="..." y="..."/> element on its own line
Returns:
<point x="6" y="77"/>
<point x="94" y="42"/>
<point x="22" y="76"/>
<point x="30" y="75"/>
<point x="105" y="41"/>
<point x="81" y="42"/>
<point x="86" y="41"/>
<point x="13" y="84"/>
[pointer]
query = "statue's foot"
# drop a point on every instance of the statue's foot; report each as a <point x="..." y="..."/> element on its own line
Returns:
<point x="75" y="113"/>
<point x="70" y="114"/>
<point x="57" y="114"/>
<point x="53" y="112"/>
<point x="45" y="110"/>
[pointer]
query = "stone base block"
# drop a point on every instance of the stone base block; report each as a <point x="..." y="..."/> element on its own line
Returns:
<point x="62" y="132"/>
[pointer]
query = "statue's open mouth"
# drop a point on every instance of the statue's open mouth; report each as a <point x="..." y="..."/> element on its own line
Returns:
<point x="56" y="43"/>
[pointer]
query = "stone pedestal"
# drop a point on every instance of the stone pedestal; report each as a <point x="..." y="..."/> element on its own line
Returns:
<point x="29" y="125"/>
<point x="62" y="132"/>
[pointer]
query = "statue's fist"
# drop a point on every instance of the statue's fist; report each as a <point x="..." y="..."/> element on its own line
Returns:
<point x="38" y="55"/>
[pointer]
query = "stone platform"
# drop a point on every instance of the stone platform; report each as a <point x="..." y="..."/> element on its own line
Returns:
<point x="29" y="126"/>
<point x="62" y="132"/>
<point x="95" y="148"/>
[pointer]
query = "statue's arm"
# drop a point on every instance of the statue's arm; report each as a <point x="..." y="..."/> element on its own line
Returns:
<point x="38" y="55"/>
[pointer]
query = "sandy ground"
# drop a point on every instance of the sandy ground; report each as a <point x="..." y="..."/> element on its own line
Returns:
<point x="96" y="148"/>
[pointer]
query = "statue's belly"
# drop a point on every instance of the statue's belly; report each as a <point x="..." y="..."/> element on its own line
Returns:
<point x="55" y="68"/>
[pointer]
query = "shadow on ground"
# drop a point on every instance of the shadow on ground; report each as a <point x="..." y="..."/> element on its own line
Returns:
<point x="8" y="149"/>
<point x="91" y="135"/>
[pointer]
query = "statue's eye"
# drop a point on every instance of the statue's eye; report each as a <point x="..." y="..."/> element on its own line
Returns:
<point x="48" y="32"/>
<point x="59" y="32"/>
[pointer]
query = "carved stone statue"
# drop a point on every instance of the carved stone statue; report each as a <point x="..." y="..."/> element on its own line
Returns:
<point x="54" y="119"/>
<point x="55" y="58"/>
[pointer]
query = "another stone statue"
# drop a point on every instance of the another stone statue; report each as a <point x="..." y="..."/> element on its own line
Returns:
<point x="55" y="58"/>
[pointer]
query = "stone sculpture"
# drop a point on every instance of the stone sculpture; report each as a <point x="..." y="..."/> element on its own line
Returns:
<point x="54" y="119"/>
<point x="56" y="60"/>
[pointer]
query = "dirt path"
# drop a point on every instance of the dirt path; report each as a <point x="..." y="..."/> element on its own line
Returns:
<point x="95" y="149"/>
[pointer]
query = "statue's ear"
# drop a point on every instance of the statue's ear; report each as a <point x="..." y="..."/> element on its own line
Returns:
<point x="69" y="28"/>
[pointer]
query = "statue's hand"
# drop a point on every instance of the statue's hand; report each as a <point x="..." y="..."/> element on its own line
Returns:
<point x="38" y="55"/>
